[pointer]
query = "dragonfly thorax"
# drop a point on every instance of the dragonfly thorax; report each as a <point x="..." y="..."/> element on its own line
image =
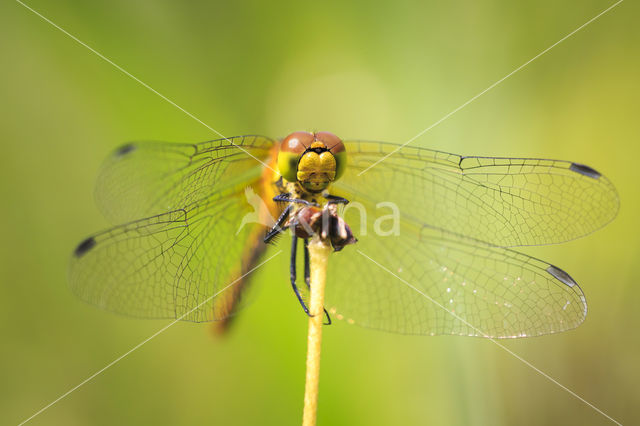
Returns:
<point x="313" y="160"/>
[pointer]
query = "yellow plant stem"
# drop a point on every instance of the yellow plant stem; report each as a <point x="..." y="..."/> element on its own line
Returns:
<point x="318" y="255"/>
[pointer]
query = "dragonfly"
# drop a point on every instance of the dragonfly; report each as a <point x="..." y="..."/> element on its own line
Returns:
<point x="195" y="220"/>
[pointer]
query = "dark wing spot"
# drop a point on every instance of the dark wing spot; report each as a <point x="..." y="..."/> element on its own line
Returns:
<point x="561" y="275"/>
<point x="584" y="170"/>
<point x="125" y="149"/>
<point x="84" y="246"/>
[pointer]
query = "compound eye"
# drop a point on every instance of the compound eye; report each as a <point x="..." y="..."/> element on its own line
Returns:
<point x="297" y="142"/>
<point x="328" y="138"/>
<point x="291" y="149"/>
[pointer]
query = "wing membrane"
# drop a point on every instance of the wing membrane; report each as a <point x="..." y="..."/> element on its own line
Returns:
<point x="503" y="201"/>
<point x="174" y="265"/>
<point x="429" y="281"/>
<point x="141" y="179"/>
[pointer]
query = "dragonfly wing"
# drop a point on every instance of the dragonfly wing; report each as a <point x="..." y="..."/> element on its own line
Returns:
<point x="146" y="178"/>
<point x="503" y="201"/>
<point x="428" y="281"/>
<point x="183" y="264"/>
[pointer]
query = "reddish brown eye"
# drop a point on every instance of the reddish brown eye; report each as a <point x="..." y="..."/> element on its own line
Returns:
<point x="297" y="142"/>
<point x="331" y="141"/>
<point x="337" y="148"/>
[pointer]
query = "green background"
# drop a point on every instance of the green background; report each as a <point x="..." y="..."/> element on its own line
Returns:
<point x="363" y="70"/>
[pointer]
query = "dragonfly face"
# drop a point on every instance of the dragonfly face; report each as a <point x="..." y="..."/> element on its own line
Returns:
<point x="314" y="160"/>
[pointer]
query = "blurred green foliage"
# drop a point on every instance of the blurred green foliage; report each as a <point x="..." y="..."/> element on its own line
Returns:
<point x="381" y="71"/>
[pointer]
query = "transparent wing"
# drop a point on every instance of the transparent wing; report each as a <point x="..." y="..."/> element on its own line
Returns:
<point x="503" y="201"/>
<point x="182" y="264"/>
<point x="429" y="281"/>
<point x="141" y="179"/>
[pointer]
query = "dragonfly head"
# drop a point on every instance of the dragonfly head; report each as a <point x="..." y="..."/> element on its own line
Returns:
<point x="314" y="160"/>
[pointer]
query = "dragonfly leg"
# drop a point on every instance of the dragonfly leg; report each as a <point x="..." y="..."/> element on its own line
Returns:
<point x="334" y="199"/>
<point x="307" y="275"/>
<point x="307" y="265"/>
<point x="294" y="245"/>
<point x="277" y="228"/>
<point x="286" y="197"/>
<point x="328" y="317"/>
